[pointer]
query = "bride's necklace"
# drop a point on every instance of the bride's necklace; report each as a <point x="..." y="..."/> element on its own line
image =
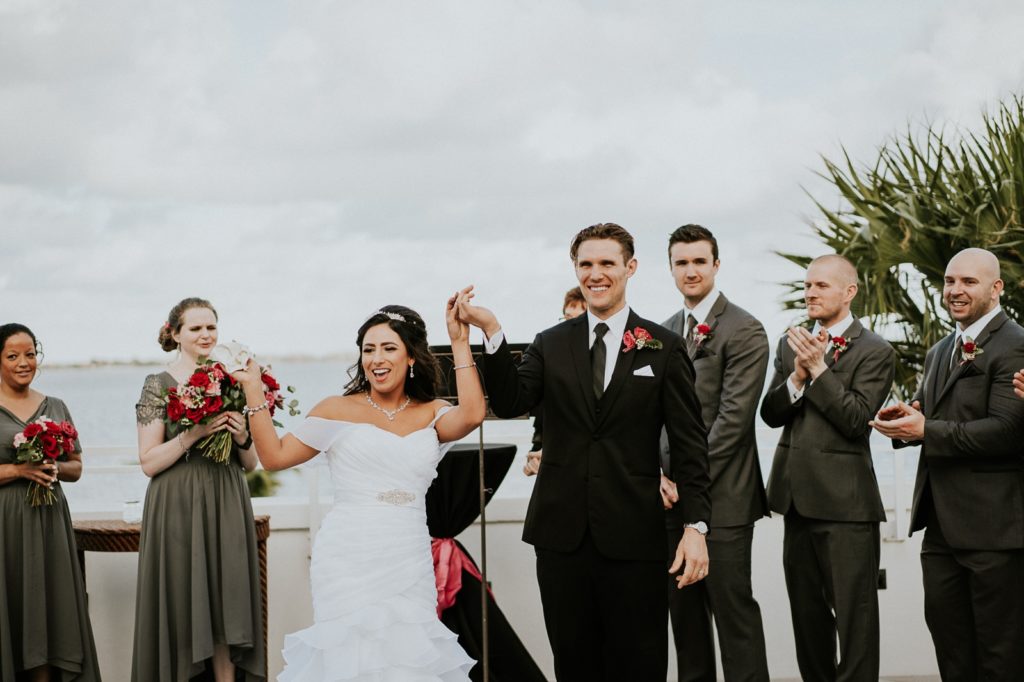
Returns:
<point x="390" y="414"/>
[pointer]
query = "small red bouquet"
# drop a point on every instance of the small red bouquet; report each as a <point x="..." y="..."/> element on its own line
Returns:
<point x="211" y="390"/>
<point x="44" y="439"/>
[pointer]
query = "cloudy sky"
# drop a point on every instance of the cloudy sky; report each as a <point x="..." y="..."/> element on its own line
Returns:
<point x="301" y="164"/>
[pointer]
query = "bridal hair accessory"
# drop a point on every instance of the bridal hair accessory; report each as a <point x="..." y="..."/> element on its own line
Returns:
<point x="390" y="414"/>
<point x="393" y="316"/>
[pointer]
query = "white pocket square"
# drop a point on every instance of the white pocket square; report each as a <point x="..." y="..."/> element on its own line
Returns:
<point x="644" y="371"/>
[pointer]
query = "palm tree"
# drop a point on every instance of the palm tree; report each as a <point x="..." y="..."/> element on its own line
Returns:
<point x="901" y="219"/>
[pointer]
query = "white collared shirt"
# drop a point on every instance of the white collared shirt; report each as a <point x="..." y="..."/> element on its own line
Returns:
<point x="975" y="328"/>
<point x="612" y="339"/>
<point x="838" y="329"/>
<point x="701" y="311"/>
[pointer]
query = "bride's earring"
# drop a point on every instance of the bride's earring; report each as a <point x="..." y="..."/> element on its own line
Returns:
<point x="411" y="373"/>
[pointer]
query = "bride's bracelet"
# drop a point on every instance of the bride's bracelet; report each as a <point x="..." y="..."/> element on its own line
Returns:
<point x="246" y="411"/>
<point x="472" y="364"/>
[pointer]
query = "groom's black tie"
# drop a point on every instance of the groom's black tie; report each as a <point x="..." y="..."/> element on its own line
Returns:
<point x="598" y="356"/>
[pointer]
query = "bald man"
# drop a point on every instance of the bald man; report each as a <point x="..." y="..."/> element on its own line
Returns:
<point x="969" y="494"/>
<point x="829" y="382"/>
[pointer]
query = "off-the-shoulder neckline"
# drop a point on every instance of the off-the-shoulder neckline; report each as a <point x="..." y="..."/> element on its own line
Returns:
<point x="429" y="426"/>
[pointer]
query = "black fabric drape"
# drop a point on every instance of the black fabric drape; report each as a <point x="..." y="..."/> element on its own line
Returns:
<point x="453" y="503"/>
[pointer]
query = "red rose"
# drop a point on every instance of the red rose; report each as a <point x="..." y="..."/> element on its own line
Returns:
<point x="629" y="341"/>
<point x="195" y="415"/>
<point x="69" y="430"/>
<point x="703" y="329"/>
<point x="32" y="430"/>
<point x="214" y="405"/>
<point x="53" y="427"/>
<point x="69" y="445"/>
<point x="969" y="347"/>
<point x="51" y="448"/>
<point x="175" y="410"/>
<point x="199" y="379"/>
<point x="271" y="383"/>
<point x="218" y="371"/>
<point x="642" y="334"/>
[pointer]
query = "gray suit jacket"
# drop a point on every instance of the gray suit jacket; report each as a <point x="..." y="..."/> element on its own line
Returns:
<point x="823" y="464"/>
<point x="972" y="459"/>
<point x="730" y="367"/>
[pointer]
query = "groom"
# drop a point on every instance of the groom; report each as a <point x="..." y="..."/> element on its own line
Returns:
<point x="610" y="381"/>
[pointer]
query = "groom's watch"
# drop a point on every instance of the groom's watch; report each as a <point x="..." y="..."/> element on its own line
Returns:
<point x="700" y="527"/>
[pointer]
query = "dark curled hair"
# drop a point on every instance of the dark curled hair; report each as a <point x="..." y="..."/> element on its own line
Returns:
<point x="688" y="234"/>
<point x="13" y="328"/>
<point x="174" y="320"/>
<point x="604" y="231"/>
<point x="413" y="332"/>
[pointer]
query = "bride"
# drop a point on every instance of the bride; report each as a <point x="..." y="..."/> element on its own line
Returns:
<point x="374" y="594"/>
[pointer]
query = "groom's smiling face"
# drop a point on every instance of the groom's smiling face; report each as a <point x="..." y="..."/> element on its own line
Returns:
<point x="602" y="271"/>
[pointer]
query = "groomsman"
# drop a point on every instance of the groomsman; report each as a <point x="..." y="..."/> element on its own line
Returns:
<point x="969" y="495"/>
<point x="729" y="350"/>
<point x="610" y="381"/>
<point x="828" y="384"/>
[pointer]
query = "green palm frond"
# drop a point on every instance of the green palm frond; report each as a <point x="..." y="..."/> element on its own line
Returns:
<point x="928" y="194"/>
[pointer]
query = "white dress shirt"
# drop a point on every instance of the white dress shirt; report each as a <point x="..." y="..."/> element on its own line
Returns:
<point x="700" y="311"/>
<point x="612" y="339"/>
<point x="838" y="329"/>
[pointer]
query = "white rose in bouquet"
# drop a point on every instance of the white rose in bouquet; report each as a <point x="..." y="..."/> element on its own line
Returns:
<point x="234" y="356"/>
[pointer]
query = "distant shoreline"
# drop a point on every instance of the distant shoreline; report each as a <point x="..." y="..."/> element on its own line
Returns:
<point x="157" y="362"/>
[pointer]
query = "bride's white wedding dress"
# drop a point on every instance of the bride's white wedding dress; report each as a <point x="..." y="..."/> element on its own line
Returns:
<point x="372" y="574"/>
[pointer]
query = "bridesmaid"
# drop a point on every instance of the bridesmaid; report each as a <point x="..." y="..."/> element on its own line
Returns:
<point x="198" y="613"/>
<point x="44" y="623"/>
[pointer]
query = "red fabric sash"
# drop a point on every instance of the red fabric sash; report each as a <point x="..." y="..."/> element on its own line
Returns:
<point x="449" y="563"/>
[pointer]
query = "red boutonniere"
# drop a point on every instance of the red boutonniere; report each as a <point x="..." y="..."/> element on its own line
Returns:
<point x="701" y="333"/>
<point x="640" y="339"/>
<point x="969" y="350"/>
<point x="839" y="346"/>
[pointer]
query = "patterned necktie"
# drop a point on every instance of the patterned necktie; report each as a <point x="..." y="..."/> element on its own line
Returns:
<point x="691" y="323"/>
<point x="598" y="356"/>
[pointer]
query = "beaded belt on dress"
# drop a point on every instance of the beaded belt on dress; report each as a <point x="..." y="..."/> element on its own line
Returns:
<point x="396" y="497"/>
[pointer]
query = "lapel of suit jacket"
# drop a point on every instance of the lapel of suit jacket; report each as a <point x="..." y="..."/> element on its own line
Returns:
<point x="712" y="322"/>
<point x="994" y="324"/>
<point x="851" y="335"/>
<point x="579" y="347"/>
<point x="933" y="381"/>
<point x="623" y="367"/>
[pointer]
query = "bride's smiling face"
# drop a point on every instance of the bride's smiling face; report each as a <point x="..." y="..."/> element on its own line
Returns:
<point x="385" y="358"/>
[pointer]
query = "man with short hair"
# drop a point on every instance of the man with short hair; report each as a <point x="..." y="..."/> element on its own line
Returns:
<point x="610" y="381"/>
<point x="969" y="493"/>
<point x="828" y="384"/>
<point x="729" y="350"/>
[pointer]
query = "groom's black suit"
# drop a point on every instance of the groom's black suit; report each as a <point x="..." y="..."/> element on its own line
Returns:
<point x="596" y="516"/>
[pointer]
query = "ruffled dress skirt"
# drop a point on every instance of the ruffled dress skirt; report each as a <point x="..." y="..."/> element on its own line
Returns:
<point x="375" y="604"/>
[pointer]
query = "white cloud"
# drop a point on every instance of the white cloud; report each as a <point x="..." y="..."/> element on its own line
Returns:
<point x="302" y="163"/>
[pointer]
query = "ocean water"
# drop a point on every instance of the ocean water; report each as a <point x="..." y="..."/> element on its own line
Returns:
<point x="102" y="402"/>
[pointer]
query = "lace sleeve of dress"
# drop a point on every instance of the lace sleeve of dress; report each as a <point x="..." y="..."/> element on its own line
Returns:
<point x="151" y="403"/>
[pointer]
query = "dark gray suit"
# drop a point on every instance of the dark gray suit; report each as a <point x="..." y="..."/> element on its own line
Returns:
<point x="730" y="367"/>
<point x="823" y="480"/>
<point x="970" y="496"/>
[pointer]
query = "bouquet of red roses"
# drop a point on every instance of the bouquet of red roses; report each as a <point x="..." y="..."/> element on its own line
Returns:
<point x="43" y="439"/>
<point x="211" y="390"/>
<point x="208" y="392"/>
